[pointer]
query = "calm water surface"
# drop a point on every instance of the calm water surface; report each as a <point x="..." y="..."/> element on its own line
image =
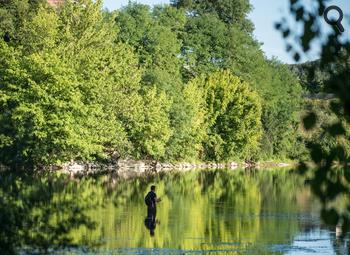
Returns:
<point x="202" y="212"/>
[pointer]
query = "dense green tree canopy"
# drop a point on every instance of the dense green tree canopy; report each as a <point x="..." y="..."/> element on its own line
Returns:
<point x="65" y="96"/>
<point x="211" y="44"/>
<point x="179" y="82"/>
<point x="154" y="36"/>
<point x="233" y="117"/>
<point x="229" y="11"/>
<point x="13" y="14"/>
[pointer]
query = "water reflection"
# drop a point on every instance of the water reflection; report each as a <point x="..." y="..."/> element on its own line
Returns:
<point x="38" y="213"/>
<point x="205" y="212"/>
<point x="151" y="222"/>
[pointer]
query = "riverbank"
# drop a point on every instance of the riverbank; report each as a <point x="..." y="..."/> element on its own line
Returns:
<point x="148" y="166"/>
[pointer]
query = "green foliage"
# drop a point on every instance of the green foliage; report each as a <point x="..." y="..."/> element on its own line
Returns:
<point x="329" y="179"/>
<point x="312" y="78"/>
<point x="211" y="44"/>
<point x="154" y="36"/>
<point x="65" y="97"/>
<point x="155" y="42"/>
<point x="229" y="11"/>
<point x="13" y="14"/>
<point x="78" y="83"/>
<point x="43" y="118"/>
<point x="320" y="119"/>
<point x="186" y="141"/>
<point x="233" y="117"/>
<point x="282" y="105"/>
<point x="153" y="131"/>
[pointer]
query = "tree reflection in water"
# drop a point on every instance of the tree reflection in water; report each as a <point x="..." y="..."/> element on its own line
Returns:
<point x="233" y="211"/>
<point x="39" y="212"/>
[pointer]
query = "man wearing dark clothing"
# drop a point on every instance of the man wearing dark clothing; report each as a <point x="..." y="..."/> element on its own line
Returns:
<point x="151" y="202"/>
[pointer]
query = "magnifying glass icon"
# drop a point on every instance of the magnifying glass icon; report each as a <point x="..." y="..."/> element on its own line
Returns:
<point x="334" y="22"/>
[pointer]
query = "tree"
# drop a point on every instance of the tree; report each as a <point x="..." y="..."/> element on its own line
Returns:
<point x="108" y="72"/>
<point x="190" y="132"/>
<point x="154" y="35"/>
<point x="331" y="177"/>
<point x="153" y="132"/>
<point x="145" y="83"/>
<point x="210" y="43"/>
<point x="155" y="43"/>
<point x="70" y="96"/>
<point x="233" y="117"/>
<point x="12" y="15"/>
<point x="229" y="11"/>
<point x="311" y="77"/>
<point x="281" y="114"/>
<point x="43" y="118"/>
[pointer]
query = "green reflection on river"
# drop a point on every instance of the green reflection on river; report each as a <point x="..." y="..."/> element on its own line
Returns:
<point x="236" y="212"/>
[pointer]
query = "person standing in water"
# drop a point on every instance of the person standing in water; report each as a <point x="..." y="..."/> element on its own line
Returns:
<point x="151" y="201"/>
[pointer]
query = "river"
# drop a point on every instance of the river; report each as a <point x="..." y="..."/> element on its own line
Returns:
<point x="201" y="212"/>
